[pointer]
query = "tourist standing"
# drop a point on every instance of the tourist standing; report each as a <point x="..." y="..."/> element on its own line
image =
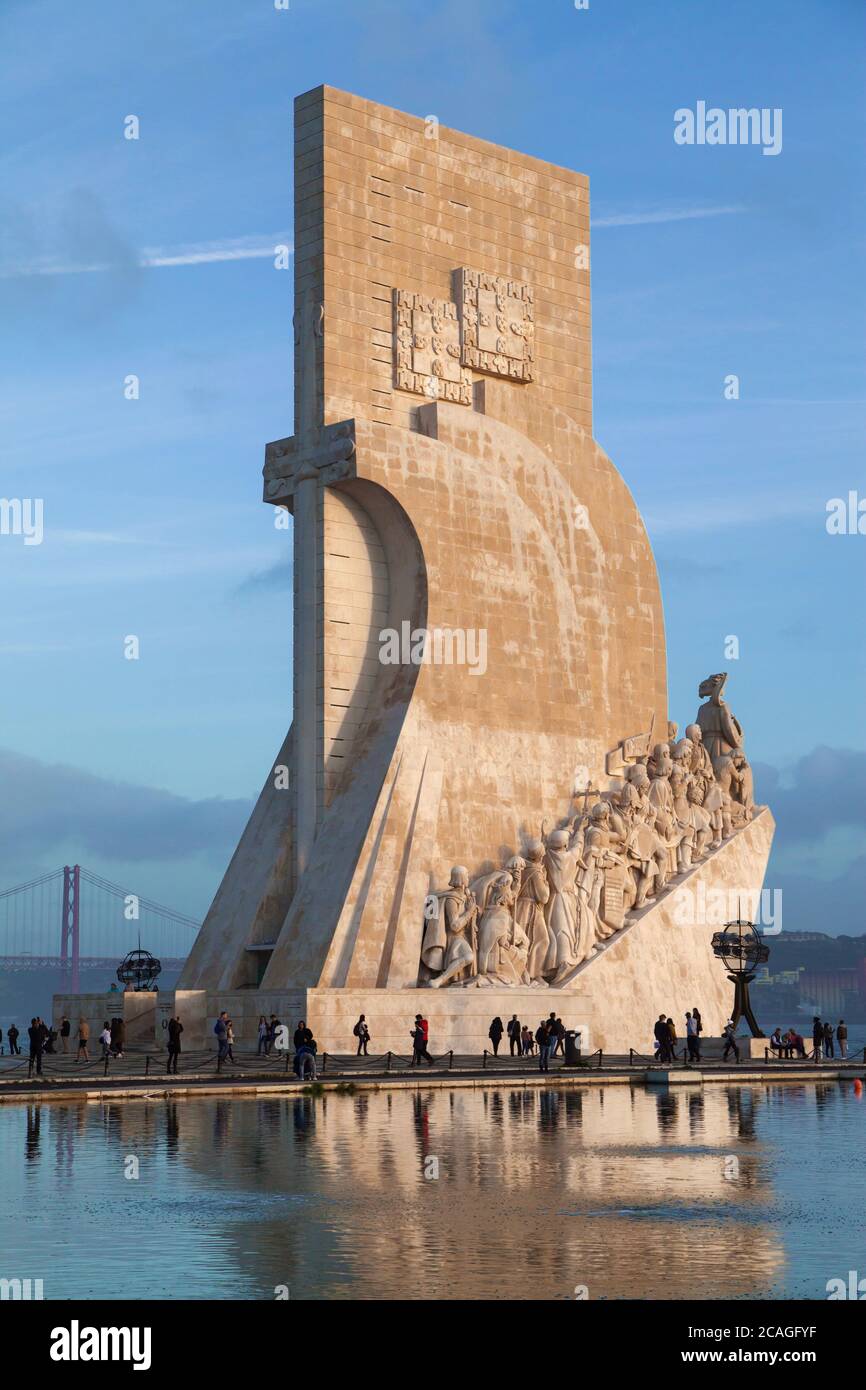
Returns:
<point x="175" y="1028"/>
<point x="841" y="1037"/>
<point x="362" y="1033"/>
<point x="817" y="1038"/>
<point x="105" y="1039"/>
<point x="221" y="1036"/>
<point x="263" y="1036"/>
<point x="494" y="1033"/>
<point x="693" y="1042"/>
<point x="37" y="1040"/>
<point x="730" y="1041"/>
<point x="15" y="1050"/>
<point x="662" y="1037"/>
<point x="672" y="1040"/>
<point x="699" y="1024"/>
<point x="83" y="1040"/>
<point x="829" y="1050"/>
<point x="542" y="1038"/>
<point x="65" y="1030"/>
<point x="230" y="1039"/>
<point x="514" y="1035"/>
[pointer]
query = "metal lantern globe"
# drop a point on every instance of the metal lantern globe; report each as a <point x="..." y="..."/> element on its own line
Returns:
<point x="138" y="969"/>
<point x="740" y="948"/>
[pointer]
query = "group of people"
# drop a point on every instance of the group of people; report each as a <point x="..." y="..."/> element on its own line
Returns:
<point x="268" y="1034"/>
<point x="665" y="1037"/>
<point x="824" y="1040"/>
<point x="522" y="1041"/>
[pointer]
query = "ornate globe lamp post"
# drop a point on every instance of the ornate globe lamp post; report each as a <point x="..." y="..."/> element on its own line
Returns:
<point x="740" y="947"/>
<point x="139" y="969"/>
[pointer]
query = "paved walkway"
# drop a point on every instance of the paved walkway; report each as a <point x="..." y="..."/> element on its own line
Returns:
<point x="138" y="1074"/>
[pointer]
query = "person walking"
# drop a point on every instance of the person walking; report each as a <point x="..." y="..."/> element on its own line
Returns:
<point x="175" y="1028"/>
<point x="263" y="1036"/>
<point x="542" y="1037"/>
<point x="494" y="1033"/>
<point x="841" y="1037"/>
<point x="230" y="1039"/>
<point x="221" y="1036"/>
<point x="37" y="1040"/>
<point x="65" y="1030"/>
<point x="514" y="1036"/>
<point x="662" y="1037"/>
<point x="693" y="1041"/>
<point x="419" y="1035"/>
<point x="829" y="1050"/>
<point x="12" y="1035"/>
<point x="83" y="1040"/>
<point x="527" y="1040"/>
<point x="730" y="1041"/>
<point x="672" y="1038"/>
<point x="699" y="1026"/>
<point x="105" y="1039"/>
<point x="817" y="1038"/>
<point x="362" y="1033"/>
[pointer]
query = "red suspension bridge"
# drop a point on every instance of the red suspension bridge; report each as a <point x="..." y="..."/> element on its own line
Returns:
<point x="72" y="917"/>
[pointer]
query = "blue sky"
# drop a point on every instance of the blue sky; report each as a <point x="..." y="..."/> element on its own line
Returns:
<point x="155" y="258"/>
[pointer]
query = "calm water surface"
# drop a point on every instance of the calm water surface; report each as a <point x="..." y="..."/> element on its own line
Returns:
<point x="733" y="1192"/>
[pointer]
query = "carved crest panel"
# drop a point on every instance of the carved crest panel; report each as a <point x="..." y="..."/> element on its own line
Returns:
<point x="427" y="348"/>
<point x="497" y="324"/>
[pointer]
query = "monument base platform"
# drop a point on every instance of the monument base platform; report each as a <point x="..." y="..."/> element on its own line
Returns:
<point x="661" y="961"/>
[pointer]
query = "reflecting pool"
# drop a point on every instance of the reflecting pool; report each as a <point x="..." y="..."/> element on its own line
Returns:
<point x="502" y="1193"/>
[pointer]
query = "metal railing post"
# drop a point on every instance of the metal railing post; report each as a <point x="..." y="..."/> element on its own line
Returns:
<point x="105" y="1071"/>
<point x="324" y="1062"/>
<point x="484" y="1061"/>
<point x="388" y="1062"/>
<point x="451" y="1060"/>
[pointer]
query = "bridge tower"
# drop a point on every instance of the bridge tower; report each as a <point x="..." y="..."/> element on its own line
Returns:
<point x="69" y="924"/>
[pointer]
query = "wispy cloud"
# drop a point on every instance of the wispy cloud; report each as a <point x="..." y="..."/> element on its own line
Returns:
<point x="155" y="258"/>
<point x="641" y="219"/>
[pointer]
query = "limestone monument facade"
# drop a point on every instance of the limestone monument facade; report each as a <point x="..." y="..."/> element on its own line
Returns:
<point x="479" y="647"/>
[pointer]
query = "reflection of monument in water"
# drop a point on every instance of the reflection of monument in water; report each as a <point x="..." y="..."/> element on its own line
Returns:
<point x="480" y="673"/>
<point x="632" y="1193"/>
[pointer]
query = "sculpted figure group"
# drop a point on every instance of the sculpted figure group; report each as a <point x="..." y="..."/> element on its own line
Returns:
<point x="534" y="921"/>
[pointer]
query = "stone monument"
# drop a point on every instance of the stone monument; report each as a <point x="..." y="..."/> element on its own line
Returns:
<point x="479" y="647"/>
